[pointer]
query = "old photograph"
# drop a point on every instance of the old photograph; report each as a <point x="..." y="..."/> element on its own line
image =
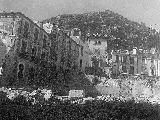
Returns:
<point x="79" y="60"/>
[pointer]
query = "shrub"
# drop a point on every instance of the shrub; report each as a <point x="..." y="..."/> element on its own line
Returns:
<point x="21" y="100"/>
<point x="99" y="108"/>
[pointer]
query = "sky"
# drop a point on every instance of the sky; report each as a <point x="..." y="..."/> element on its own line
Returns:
<point x="147" y="11"/>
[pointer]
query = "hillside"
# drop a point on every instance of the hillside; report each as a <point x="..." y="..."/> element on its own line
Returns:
<point x="120" y="32"/>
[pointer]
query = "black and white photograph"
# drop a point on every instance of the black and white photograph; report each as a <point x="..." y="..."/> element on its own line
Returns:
<point x="79" y="59"/>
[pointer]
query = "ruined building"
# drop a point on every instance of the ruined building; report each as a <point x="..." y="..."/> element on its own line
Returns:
<point x="32" y="55"/>
<point x="28" y="49"/>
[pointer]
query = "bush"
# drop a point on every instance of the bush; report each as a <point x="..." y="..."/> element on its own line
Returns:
<point x="55" y="108"/>
<point x="21" y="100"/>
<point x="96" y="109"/>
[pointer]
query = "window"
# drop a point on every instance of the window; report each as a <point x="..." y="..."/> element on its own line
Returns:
<point x="76" y="32"/>
<point x="103" y="29"/>
<point x="55" y="57"/>
<point x="70" y="45"/>
<point x="49" y="42"/>
<point x="26" y="28"/>
<point x="36" y="34"/>
<point x="20" y="27"/>
<point x="81" y="63"/>
<point x="21" y="67"/>
<point x="82" y="51"/>
<point x="117" y="58"/>
<point x="97" y="43"/>
<point x="124" y="60"/>
<point x="56" y="48"/>
<point x="48" y="54"/>
<point x="152" y="59"/>
<point x="62" y="60"/>
<point x="38" y="51"/>
<point x="20" y="71"/>
<point x="44" y="40"/>
<point x="124" y="69"/>
<point x="23" y="46"/>
<point x="34" y="51"/>
<point x="131" y="60"/>
<point x="131" y="70"/>
<point x="31" y="75"/>
<point x="43" y="55"/>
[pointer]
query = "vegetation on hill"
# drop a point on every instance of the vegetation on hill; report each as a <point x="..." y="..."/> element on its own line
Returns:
<point x="120" y="33"/>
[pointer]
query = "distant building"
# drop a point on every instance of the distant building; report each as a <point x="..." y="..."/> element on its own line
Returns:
<point x="126" y="62"/>
<point x="97" y="48"/>
<point x="135" y="62"/>
<point x="151" y="63"/>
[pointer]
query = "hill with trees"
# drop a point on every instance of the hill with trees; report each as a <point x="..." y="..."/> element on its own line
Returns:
<point x="120" y="33"/>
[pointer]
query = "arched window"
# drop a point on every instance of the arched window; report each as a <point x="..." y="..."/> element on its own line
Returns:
<point x="20" y="71"/>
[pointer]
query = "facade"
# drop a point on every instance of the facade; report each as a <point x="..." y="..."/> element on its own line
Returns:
<point x="71" y="49"/>
<point x="151" y="64"/>
<point x="97" y="48"/>
<point x="67" y="51"/>
<point x="34" y="54"/>
<point x="136" y="62"/>
<point x="28" y="49"/>
<point x="126" y="62"/>
<point x="83" y="58"/>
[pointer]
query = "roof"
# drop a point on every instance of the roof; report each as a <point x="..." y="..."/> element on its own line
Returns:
<point x="14" y="14"/>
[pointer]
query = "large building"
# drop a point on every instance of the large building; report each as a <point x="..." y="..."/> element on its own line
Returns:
<point x="34" y="54"/>
<point x="28" y="49"/>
